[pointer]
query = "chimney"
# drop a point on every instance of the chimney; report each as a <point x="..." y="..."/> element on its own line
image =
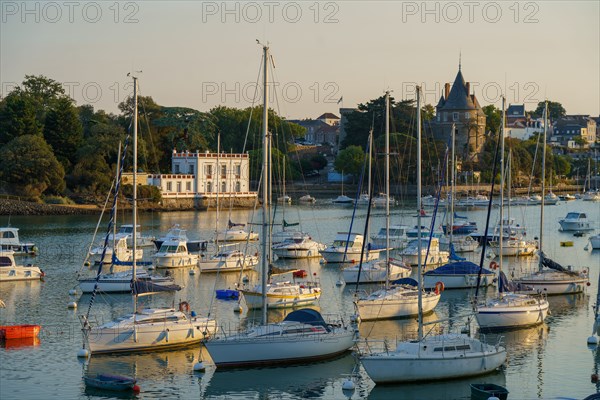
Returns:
<point x="468" y="87"/>
<point x="446" y="91"/>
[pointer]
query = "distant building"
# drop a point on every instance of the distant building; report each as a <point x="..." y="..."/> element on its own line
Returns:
<point x="570" y="129"/>
<point x="205" y="175"/>
<point x="344" y="112"/>
<point x="323" y="130"/>
<point x="516" y="116"/>
<point x="459" y="107"/>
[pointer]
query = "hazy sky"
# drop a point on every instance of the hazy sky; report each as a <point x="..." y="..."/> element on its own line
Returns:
<point x="202" y="54"/>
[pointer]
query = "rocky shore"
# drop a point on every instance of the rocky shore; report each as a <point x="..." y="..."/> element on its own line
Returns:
<point x="18" y="207"/>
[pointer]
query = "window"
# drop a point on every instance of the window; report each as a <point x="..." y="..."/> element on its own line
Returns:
<point x="176" y="168"/>
<point x="223" y="187"/>
<point x="8" y="235"/>
<point x="169" y="186"/>
<point x="238" y="169"/>
<point x="208" y="170"/>
<point x="238" y="187"/>
<point x="188" y="186"/>
<point x="455" y="116"/>
<point x="191" y="169"/>
<point x="223" y="170"/>
<point x="178" y="187"/>
<point x="467" y="116"/>
<point x="445" y="117"/>
<point x="208" y="187"/>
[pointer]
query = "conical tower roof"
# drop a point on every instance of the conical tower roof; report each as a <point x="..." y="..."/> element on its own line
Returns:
<point x="459" y="97"/>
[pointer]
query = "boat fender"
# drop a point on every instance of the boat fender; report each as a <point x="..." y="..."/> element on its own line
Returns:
<point x="494" y="265"/>
<point x="42" y="273"/>
<point x="439" y="287"/>
<point x="167" y="335"/>
<point x="184" y="306"/>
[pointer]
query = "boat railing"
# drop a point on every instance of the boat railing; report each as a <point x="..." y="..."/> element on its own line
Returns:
<point x="373" y="346"/>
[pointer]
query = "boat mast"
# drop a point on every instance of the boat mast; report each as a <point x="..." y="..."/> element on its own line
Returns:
<point x="452" y="185"/>
<point x="501" y="239"/>
<point x="543" y="183"/>
<point x="266" y="186"/>
<point x="387" y="187"/>
<point x="134" y="210"/>
<point x="420" y="238"/>
<point x="218" y="181"/>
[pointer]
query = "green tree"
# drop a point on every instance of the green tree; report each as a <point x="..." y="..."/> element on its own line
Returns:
<point x="91" y="176"/>
<point x="555" y="110"/>
<point x="18" y="117"/>
<point x="63" y="131"/>
<point x="428" y="112"/>
<point x="493" y="119"/>
<point x="350" y="160"/>
<point x="29" y="167"/>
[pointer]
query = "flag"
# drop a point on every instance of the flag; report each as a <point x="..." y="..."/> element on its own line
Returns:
<point x="340" y="100"/>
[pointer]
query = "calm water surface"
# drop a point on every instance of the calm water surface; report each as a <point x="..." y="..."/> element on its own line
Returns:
<point x="549" y="361"/>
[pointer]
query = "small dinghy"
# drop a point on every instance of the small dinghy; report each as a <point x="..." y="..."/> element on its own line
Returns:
<point x="8" y="332"/>
<point x="483" y="391"/>
<point x="111" y="382"/>
<point x="227" y="294"/>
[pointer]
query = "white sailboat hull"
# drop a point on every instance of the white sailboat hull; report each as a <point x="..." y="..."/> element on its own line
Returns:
<point x="457" y="281"/>
<point x="119" y="337"/>
<point x="309" y="249"/>
<point x="404" y="365"/>
<point x="304" y="297"/>
<point x="554" y="282"/>
<point x="20" y="273"/>
<point x="500" y="314"/>
<point x="434" y="258"/>
<point x="337" y="255"/>
<point x="278" y="349"/>
<point x="227" y="265"/>
<point x="387" y="306"/>
<point x="175" y="261"/>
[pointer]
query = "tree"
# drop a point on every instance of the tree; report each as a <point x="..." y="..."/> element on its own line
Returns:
<point x="350" y="160"/>
<point x="29" y="167"/>
<point x="428" y="112"/>
<point x="493" y="119"/>
<point x="555" y="110"/>
<point x="63" y="131"/>
<point x="43" y="92"/>
<point x="18" y="117"/>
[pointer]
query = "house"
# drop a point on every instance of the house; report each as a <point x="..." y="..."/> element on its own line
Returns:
<point x="204" y="176"/>
<point x="516" y="116"/>
<point x="330" y="119"/>
<point x="460" y="108"/>
<point x="323" y="130"/>
<point x="575" y="131"/>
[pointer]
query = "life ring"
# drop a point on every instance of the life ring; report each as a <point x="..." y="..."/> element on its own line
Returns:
<point x="494" y="265"/>
<point x="439" y="287"/>
<point x="184" y="306"/>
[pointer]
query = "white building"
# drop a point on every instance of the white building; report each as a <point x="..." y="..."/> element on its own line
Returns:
<point x="204" y="176"/>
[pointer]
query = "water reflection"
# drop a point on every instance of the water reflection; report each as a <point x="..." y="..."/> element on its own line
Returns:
<point x="302" y="381"/>
<point x="442" y="390"/>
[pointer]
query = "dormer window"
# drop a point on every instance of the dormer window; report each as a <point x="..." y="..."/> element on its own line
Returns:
<point x="455" y="116"/>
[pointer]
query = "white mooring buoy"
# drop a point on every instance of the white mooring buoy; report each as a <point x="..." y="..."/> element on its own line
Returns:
<point x="348" y="384"/>
<point x="199" y="367"/>
<point x="72" y="305"/>
<point x="592" y="340"/>
<point x="73" y="292"/>
<point x="83" y="353"/>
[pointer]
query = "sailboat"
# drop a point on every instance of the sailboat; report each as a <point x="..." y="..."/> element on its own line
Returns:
<point x="284" y="198"/>
<point x="398" y="300"/>
<point x="431" y="357"/>
<point x="375" y="271"/>
<point x="554" y="279"/>
<point x="342" y="199"/>
<point x="303" y="335"/>
<point x="509" y="310"/>
<point x="147" y="329"/>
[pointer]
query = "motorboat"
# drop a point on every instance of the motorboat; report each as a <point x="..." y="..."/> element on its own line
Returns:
<point x="430" y="252"/>
<point x="595" y="241"/>
<point x="284" y="199"/>
<point x="9" y="241"/>
<point x="514" y="247"/>
<point x="592" y="195"/>
<point x="193" y="246"/>
<point x="347" y="248"/>
<point x="236" y="235"/>
<point x="126" y="231"/>
<point x="174" y="254"/>
<point x="227" y="260"/>
<point x="461" y="228"/>
<point x="120" y="252"/>
<point x="576" y="221"/>
<point x="298" y="246"/>
<point x="307" y="199"/>
<point x="397" y="237"/>
<point x="376" y="271"/>
<point x="382" y="199"/>
<point x="11" y="271"/>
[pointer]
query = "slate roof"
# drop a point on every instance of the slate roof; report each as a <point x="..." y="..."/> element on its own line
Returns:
<point x="328" y="116"/>
<point x="459" y="98"/>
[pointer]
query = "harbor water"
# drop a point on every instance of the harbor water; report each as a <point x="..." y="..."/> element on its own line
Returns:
<point x="549" y="361"/>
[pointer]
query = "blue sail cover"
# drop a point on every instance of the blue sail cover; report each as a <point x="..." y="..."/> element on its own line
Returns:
<point x="548" y="263"/>
<point x="458" y="268"/>
<point x="307" y="316"/>
<point x="506" y="285"/>
<point x="406" y="281"/>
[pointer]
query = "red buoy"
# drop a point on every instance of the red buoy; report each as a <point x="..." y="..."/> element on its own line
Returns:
<point x="136" y="388"/>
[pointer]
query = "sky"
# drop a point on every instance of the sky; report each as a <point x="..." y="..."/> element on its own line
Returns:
<point x="327" y="54"/>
